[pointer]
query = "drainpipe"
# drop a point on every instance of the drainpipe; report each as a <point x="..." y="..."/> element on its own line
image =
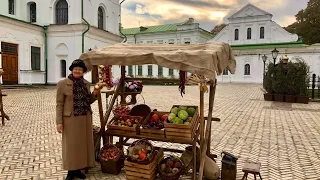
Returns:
<point x="125" y="37"/>
<point x="45" y="28"/>
<point x="87" y="25"/>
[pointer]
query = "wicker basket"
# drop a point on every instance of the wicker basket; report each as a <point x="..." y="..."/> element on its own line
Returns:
<point x="119" y="105"/>
<point x="164" y="175"/>
<point x="146" y="160"/>
<point x="111" y="166"/>
<point x="140" y="110"/>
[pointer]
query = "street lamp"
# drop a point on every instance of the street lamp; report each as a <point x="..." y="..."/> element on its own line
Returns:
<point x="274" y="55"/>
<point x="264" y="59"/>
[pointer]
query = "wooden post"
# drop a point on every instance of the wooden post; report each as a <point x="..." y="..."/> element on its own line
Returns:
<point x="102" y="124"/>
<point x="205" y="143"/>
<point x="201" y="115"/>
<point x="3" y="114"/>
<point x="123" y="76"/>
<point x="211" y="102"/>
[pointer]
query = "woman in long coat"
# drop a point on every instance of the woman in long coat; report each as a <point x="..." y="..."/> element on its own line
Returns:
<point x="74" y="121"/>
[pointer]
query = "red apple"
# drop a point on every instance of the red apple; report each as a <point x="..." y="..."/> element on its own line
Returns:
<point x="164" y="117"/>
<point x="155" y="117"/>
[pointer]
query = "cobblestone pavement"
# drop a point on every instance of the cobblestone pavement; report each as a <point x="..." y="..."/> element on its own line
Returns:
<point x="285" y="138"/>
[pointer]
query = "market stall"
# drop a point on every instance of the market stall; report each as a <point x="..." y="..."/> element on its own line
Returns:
<point x="204" y="61"/>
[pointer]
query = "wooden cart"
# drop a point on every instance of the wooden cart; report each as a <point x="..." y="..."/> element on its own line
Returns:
<point x="204" y="61"/>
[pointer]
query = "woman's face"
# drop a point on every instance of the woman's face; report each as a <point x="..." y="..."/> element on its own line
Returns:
<point x="77" y="72"/>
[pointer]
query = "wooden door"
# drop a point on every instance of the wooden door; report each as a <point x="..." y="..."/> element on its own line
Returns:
<point x="9" y="63"/>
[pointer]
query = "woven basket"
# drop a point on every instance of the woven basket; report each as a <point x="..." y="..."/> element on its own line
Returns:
<point x="140" y="110"/>
<point x="164" y="175"/>
<point x="146" y="160"/>
<point x="120" y="105"/>
<point x="111" y="166"/>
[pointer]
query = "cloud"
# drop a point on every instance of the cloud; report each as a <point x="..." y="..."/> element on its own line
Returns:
<point x="206" y="12"/>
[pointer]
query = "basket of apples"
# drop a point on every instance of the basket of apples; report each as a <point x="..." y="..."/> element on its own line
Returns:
<point x="153" y="125"/>
<point x="125" y="124"/>
<point x="171" y="168"/>
<point x="121" y="110"/>
<point x="141" y="152"/>
<point x="110" y="159"/>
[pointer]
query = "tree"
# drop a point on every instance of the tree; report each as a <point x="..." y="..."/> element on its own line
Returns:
<point x="307" y="23"/>
<point x="218" y="28"/>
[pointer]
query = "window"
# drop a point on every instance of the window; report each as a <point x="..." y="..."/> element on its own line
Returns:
<point x="247" y="69"/>
<point x="63" y="67"/>
<point x="225" y="72"/>
<point x="160" y="71"/>
<point x="62" y="12"/>
<point x="171" y="41"/>
<point x="249" y="33"/>
<point x="33" y="12"/>
<point x="11" y="7"/>
<point x="262" y="33"/>
<point x="139" y="70"/>
<point x="100" y="18"/>
<point x="160" y="41"/>
<point x="171" y="72"/>
<point x="149" y="70"/>
<point x="187" y="42"/>
<point x="149" y="42"/>
<point x="130" y="71"/>
<point x="236" y="34"/>
<point x="35" y="58"/>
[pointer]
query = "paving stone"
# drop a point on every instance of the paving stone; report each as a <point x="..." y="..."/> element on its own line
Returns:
<point x="283" y="137"/>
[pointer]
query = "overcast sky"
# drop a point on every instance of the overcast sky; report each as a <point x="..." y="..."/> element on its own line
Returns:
<point x="208" y="13"/>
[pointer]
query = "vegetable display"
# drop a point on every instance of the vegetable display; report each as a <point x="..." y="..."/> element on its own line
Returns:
<point x="110" y="153"/>
<point x="181" y="115"/>
<point x="126" y="121"/>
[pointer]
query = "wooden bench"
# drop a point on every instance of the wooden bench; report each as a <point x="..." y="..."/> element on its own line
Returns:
<point x="251" y="168"/>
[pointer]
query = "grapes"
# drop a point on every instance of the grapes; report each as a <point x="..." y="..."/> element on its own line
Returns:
<point x="158" y="124"/>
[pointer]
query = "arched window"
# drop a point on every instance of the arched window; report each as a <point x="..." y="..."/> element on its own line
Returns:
<point x="247" y="69"/>
<point x="236" y="34"/>
<point x="100" y="18"/>
<point x="62" y="12"/>
<point x="63" y="67"/>
<point x="262" y="33"/>
<point x="249" y="33"/>
<point x="33" y="12"/>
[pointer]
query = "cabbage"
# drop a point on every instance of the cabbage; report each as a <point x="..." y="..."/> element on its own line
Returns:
<point x="183" y="115"/>
<point x="171" y="117"/>
<point x="174" y="110"/>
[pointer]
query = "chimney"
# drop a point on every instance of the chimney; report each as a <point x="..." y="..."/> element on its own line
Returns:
<point x="143" y="28"/>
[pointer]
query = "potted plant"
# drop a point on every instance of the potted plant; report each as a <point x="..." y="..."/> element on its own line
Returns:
<point x="302" y="81"/>
<point x="267" y="82"/>
<point x="291" y="89"/>
<point x="279" y="82"/>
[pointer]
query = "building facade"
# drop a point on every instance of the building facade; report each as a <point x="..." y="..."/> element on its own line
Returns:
<point x="187" y="32"/>
<point x="40" y="38"/>
<point x="252" y="34"/>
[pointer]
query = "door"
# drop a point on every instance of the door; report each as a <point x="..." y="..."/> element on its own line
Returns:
<point x="9" y="63"/>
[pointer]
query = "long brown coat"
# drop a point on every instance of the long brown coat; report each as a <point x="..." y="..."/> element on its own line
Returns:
<point x="77" y="135"/>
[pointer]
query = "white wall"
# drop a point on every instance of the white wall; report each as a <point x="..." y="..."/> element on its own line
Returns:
<point x="10" y="32"/>
<point x="46" y="12"/>
<point x="311" y="55"/>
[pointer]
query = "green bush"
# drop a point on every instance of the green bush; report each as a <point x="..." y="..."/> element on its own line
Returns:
<point x="290" y="79"/>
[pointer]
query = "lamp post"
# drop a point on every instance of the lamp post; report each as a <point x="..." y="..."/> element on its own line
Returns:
<point x="264" y="59"/>
<point x="274" y="55"/>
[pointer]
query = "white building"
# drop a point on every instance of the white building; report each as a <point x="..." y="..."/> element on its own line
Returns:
<point x="187" y="32"/>
<point x="40" y="38"/>
<point x="252" y="34"/>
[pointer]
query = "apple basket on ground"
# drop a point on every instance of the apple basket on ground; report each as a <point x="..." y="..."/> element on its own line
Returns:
<point x="141" y="152"/>
<point x="171" y="168"/>
<point x="110" y="159"/>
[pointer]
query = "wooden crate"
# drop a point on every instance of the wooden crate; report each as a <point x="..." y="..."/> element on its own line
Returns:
<point x="137" y="171"/>
<point x="182" y="131"/>
<point x="122" y="129"/>
<point x="152" y="133"/>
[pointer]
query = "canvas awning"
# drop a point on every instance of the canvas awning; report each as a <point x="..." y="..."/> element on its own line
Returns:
<point x="209" y="59"/>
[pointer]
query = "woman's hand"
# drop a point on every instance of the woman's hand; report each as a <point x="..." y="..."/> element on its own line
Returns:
<point x="59" y="128"/>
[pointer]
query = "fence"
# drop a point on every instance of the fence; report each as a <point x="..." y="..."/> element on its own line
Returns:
<point x="314" y="91"/>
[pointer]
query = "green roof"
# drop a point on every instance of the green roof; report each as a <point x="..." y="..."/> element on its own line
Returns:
<point x="151" y="29"/>
<point x="269" y="45"/>
<point x="157" y="29"/>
